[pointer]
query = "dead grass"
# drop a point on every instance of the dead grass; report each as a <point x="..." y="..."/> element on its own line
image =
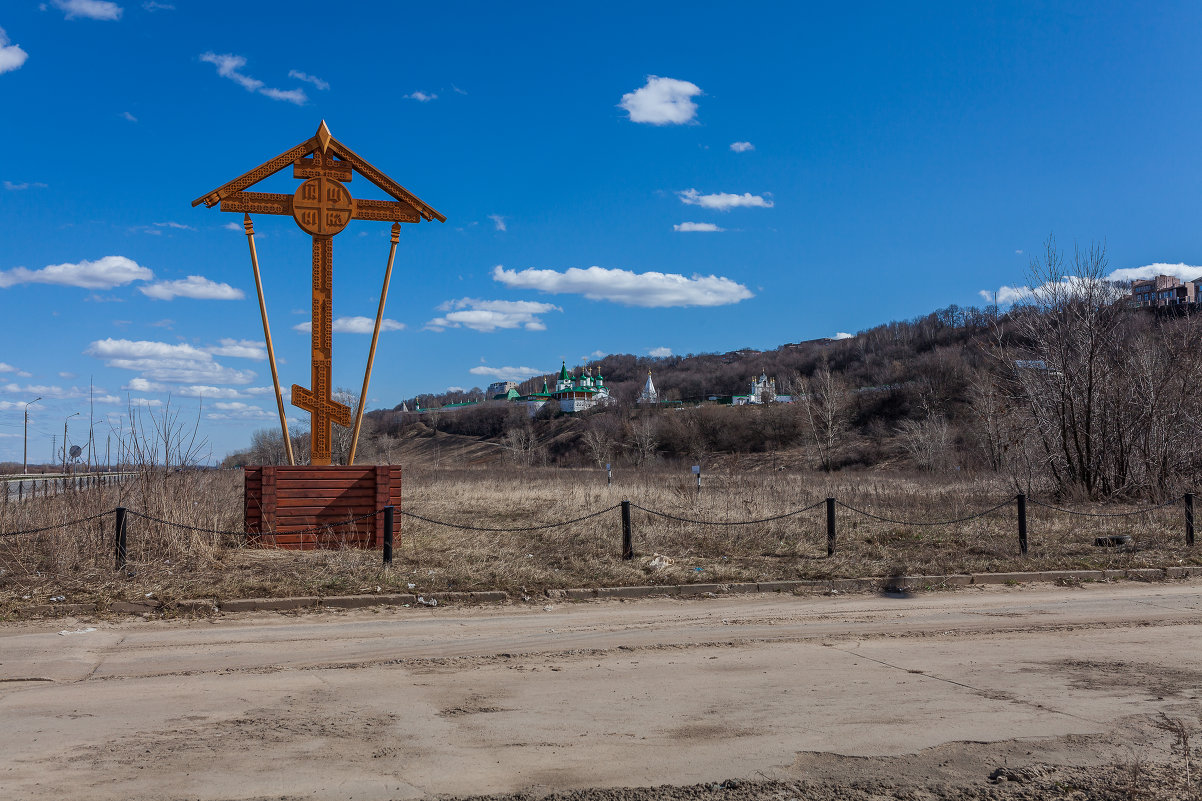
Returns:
<point x="173" y="563"/>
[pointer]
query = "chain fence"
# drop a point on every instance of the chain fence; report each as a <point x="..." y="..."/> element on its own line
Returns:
<point x="626" y="506"/>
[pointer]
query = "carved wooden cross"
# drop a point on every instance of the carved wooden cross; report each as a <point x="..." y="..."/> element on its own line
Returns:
<point x="322" y="206"/>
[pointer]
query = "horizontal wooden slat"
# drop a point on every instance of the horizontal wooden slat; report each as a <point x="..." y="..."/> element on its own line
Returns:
<point x="357" y="498"/>
<point x="325" y="472"/>
<point x="288" y="484"/>
<point x="309" y="518"/>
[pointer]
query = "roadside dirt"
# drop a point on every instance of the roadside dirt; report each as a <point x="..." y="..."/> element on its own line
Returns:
<point x="1007" y="693"/>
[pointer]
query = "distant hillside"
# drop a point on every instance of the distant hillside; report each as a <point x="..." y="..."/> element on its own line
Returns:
<point x="1074" y="392"/>
<point x="883" y="377"/>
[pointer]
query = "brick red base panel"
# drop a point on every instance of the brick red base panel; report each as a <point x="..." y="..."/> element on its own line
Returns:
<point x="282" y="501"/>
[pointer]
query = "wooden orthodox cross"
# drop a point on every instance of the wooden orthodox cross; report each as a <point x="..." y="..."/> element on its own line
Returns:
<point x="322" y="207"/>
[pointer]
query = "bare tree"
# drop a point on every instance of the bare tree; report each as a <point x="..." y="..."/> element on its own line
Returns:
<point x="825" y="404"/>
<point x="1068" y="326"/>
<point x="599" y="439"/>
<point x="340" y="436"/>
<point x="927" y="441"/>
<point x="643" y="439"/>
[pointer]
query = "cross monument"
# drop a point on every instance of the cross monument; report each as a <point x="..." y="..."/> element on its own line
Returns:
<point x="322" y="206"/>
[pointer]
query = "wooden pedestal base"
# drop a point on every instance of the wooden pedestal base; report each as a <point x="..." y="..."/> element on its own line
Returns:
<point x="284" y="502"/>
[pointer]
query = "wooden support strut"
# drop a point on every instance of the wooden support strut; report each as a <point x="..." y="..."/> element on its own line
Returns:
<point x="275" y="376"/>
<point x="375" y="337"/>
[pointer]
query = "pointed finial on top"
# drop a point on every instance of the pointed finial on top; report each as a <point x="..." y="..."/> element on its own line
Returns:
<point x="324" y="136"/>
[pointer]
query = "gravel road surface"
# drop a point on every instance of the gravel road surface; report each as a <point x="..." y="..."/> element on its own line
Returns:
<point x="763" y="696"/>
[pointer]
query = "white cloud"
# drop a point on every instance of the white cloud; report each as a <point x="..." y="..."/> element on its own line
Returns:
<point x="300" y="76"/>
<point x="296" y="96"/>
<point x="11" y="55"/>
<point x="650" y="289"/>
<point x="239" y="349"/>
<point x="508" y="373"/>
<point x="89" y="9"/>
<point x="177" y="225"/>
<point x="188" y="391"/>
<point x="233" y="226"/>
<point x="724" y="201"/>
<point x="40" y="389"/>
<point x="741" y="147"/>
<point x="7" y="368"/>
<point x="489" y="315"/>
<point x="456" y="389"/>
<point x="1185" y="272"/>
<point x="127" y="116"/>
<point x="355" y="325"/>
<point x="659" y="353"/>
<point x="108" y="399"/>
<point x="228" y="66"/>
<point x="421" y="97"/>
<point x="235" y="410"/>
<point x="105" y="273"/>
<point x="843" y="335"/>
<point x="597" y="354"/>
<point x="194" y="286"/>
<point x="1005" y="295"/>
<point x="161" y="361"/>
<point x="12" y="187"/>
<point x="153" y="6"/>
<point x="662" y="101"/>
<point x="1009" y="295"/>
<point x="687" y="227"/>
<point x="498" y="221"/>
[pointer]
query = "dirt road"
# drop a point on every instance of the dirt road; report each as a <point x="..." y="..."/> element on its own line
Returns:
<point x="410" y="703"/>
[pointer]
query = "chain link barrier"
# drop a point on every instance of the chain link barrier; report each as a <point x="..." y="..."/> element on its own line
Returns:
<point x="56" y="526"/>
<point x="726" y="522"/>
<point x="523" y="528"/>
<point x="1076" y="513"/>
<point x="653" y="512"/>
<point x="974" y="516"/>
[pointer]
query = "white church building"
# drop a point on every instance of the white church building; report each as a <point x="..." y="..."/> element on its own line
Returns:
<point x="575" y="393"/>
<point x="763" y="390"/>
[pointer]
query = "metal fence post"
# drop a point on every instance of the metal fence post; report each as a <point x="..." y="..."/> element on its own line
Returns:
<point x="120" y="537"/>
<point x="1022" y="524"/>
<point x="1189" y="518"/>
<point x="830" y="526"/>
<point x="627" y="537"/>
<point x="388" y="535"/>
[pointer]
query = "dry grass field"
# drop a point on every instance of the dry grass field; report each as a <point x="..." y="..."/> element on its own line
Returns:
<point x="172" y="563"/>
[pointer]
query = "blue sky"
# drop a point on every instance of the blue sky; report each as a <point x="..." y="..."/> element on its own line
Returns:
<point x="624" y="177"/>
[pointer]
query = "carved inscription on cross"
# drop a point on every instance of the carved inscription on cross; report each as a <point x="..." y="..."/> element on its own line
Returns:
<point x="322" y="207"/>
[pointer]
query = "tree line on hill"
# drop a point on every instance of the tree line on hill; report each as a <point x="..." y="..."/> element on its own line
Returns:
<point x="1068" y="391"/>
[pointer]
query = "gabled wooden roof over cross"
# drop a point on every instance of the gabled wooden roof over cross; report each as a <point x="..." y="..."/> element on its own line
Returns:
<point x="320" y="156"/>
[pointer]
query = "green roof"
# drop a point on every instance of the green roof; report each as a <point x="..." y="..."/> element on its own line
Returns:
<point x="563" y="372"/>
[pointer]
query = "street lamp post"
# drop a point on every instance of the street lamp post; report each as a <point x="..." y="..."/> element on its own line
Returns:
<point x="65" y="439"/>
<point x="25" y="457"/>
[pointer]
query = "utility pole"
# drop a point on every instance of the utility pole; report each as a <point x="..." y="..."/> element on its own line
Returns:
<point x="68" y="417"/>
<point x="25" y="457"/>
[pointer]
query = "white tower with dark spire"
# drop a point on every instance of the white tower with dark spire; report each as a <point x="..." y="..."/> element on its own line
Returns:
<point x="649" y="394"/>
